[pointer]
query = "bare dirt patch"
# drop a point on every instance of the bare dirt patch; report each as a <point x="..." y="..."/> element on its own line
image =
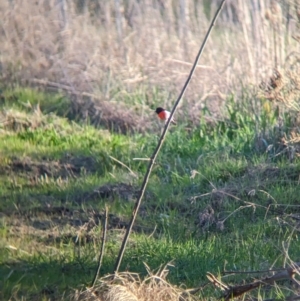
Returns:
<point x="69" y="166"/>
<point x="111" y="191"/>
<point x="62" y="224"/>
<point x="52" y="223"/>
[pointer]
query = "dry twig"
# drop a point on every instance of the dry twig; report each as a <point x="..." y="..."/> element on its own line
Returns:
<point x="231" y="292"/>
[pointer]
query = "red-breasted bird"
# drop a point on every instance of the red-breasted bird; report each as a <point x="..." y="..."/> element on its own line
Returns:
<point x="164" y="115"/>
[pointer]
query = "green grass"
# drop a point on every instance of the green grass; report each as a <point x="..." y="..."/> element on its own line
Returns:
<point x="216" y="200"/>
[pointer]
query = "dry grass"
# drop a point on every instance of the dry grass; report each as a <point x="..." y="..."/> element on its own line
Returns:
<point x="18" y="121"/>
<point x="112" y="49"/>
<point x="283" y="90"/>
<point x="130" y="287"/>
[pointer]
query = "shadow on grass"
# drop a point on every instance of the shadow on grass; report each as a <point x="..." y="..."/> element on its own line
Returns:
<point x="53" y="275"/>
<point x="42" y="276"/>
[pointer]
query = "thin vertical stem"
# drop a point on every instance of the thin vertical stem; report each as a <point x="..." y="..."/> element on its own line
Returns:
<point x="160" y="142"/>
<point x="102" y="247"/>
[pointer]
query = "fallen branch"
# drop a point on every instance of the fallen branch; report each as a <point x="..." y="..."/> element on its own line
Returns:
<point x="231" y="292"/>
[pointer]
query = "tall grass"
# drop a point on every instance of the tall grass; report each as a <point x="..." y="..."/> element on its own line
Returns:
<point x="112" y="48"/>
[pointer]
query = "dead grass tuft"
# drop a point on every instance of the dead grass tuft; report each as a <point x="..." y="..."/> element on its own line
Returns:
<point x="282" y="88"/>
<point x="17" y="121"/>
<point x="130" y="287"/>
<point x="112" y="115"/>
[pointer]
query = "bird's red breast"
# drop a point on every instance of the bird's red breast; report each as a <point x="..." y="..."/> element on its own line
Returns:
<point x="164" y="114"/>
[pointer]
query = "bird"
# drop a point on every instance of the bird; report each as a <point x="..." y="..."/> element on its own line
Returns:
<point x="164" y="115"/>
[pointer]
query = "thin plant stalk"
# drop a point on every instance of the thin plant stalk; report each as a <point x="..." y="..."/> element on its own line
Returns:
<point x="160" y="142"/>
<point x="102" y="247"/>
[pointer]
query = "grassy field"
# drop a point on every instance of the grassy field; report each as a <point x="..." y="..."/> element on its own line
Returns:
<point x="79" y="83"/>
<point x="223" y="196"/>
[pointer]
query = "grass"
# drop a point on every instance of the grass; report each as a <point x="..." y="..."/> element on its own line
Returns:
<point x="216" y="201"/>
<point x="224" y="191"/>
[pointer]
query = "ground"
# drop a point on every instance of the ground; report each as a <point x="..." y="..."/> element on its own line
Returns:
<point x="217" y="201"/>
